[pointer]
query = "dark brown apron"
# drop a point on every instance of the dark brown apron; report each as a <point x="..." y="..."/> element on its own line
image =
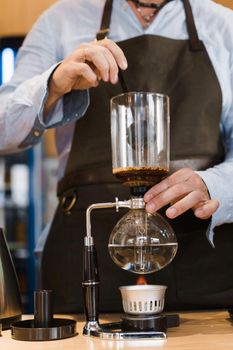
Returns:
<point x="199" y="276"/>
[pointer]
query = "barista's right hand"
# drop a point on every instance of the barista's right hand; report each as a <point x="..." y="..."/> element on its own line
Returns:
<point x="84" y="68"/>
<point x="87" y="65"/>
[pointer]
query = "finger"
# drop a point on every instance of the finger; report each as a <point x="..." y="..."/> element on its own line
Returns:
<point x="206" y="210"/>
<point x="98" y="56"/>
<point x="156" y="190"/>
<point x="93" y="56"/>
<point x="170" y="195"/>
<point x="186" y="203"/>
<point x="179" y="176"/>
<point x="80" y="55"/>
<point x="113" y="71"/>
<point x="113" y="67"/>
<point x="116" y="52"/>
<point x="96" y="71"/>
<point x="83" y="70"/>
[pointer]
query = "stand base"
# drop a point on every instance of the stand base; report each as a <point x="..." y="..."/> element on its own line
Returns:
<point x="60" y="329"/>
<point x="135" y="327"/>
<point x="113" y="331"/>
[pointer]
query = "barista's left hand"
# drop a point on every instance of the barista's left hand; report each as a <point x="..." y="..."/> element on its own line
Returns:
<point x="184" y="190"/>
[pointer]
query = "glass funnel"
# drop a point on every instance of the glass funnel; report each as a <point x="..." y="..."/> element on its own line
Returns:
<point x="141" y="242"/>
<point x="140" y="138"/>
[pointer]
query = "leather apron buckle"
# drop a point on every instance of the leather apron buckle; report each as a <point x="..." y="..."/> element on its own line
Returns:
<point x="68" y="201"/>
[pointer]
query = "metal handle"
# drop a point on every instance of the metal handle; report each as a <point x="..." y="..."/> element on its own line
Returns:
<point x="91" y="284"/>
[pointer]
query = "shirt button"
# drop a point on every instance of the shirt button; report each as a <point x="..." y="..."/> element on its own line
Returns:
<point x="36" y="133"/>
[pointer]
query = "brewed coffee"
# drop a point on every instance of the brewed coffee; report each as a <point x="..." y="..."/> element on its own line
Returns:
<point x="140" y="176"/>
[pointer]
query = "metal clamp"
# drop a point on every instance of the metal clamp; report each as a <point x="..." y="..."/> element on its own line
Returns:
<point x="117" y="204"/>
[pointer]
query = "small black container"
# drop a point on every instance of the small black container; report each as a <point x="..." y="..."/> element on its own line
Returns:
<point x="43" y="327"/>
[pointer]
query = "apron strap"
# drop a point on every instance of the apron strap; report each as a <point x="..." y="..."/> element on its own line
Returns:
<point x="103" y="33"/>
<point x="106" y="19"/>
<point x="195" y="43"/>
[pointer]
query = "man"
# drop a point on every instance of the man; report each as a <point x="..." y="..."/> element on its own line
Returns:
<point x="181" y="48"/>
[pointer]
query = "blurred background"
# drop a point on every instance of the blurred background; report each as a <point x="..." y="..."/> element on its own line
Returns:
<point x="27" y="179"/>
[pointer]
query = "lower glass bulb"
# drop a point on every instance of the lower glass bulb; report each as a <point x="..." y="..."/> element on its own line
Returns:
<point x="142" y="243"/>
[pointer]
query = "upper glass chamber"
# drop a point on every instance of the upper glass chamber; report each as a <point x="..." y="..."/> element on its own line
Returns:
<point x="140" y="137"/>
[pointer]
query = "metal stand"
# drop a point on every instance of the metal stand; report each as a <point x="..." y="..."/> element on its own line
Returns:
<point x="131" y="327"/>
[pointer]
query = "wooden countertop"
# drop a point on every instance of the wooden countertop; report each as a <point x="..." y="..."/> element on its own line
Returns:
<point x="198" y="331"/>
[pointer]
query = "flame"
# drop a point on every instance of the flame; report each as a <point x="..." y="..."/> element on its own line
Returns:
<point x="141" y="280"/>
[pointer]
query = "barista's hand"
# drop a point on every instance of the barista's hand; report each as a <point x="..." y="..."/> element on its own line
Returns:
<point x="184" y="190"/>
<point x="84" y="68"/>
<point x="87" y="65"/>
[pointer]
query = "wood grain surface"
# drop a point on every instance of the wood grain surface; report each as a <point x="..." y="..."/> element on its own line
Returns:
<point x="197" y="331"/>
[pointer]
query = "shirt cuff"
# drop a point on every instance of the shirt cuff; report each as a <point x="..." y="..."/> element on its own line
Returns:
<point x="68" y="108"/>
<point x="218" y="186"/>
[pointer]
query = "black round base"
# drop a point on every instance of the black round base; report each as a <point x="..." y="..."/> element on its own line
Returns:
<point x="150" y="323"/>
<point x="61" y="328"/>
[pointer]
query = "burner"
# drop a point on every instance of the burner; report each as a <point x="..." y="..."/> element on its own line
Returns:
<point x="152" y="323"/>
<point x="144" y="299"/>
<point x="143" y="306"/>
<point x="143" y="318"/>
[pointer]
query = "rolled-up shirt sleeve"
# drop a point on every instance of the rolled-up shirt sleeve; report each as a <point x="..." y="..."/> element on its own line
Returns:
<point x="219" y="179"/>
<point x="22" y="99"/>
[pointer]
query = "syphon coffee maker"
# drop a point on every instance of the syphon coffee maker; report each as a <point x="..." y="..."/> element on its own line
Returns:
<point x="140" y="242"/>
